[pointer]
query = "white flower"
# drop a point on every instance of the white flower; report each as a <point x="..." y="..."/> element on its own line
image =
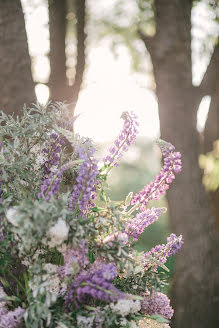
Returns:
<point x="124" y="307"/>
<point x="12" y="215"/>
<point x="133" y="324"/>
<point x="51" y="268"/>
<point x="135" y="306"/>
<point x="58" y="233"/>
<point x="2" y="294"/>
<point x="52" y="277"/>
<point x="61" y="325"/>
<point x="39" y="157"/>
<point x="123" y="322"/>
<point x="122" y="238"/>
<point x="85" y="322"/>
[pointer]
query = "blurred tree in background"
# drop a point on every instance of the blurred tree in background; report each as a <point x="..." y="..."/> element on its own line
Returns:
<point x="210" y="164"/>
<point x="16" y="83"/>
<point x="66" y="16"/>
<point x="17" y="87"/>
<point x="165" y="28"/>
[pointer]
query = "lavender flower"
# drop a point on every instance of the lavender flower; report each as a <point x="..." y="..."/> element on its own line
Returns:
<point x="160" y="252"/>
<point x="53" y="153"/>
<point x="85" y="189"/>
<point x="157" y="303"/>
<point x="142" y="220"/>
<point x="104" y="271"/>
<point x="172" y="164"/>
<point x="74" y="260"/>
<point x="126" y="137"/>
<point x="3" y="310"/>
<point x="12" y="319"/>
<point x="51" y="184"/>
<point x="94" y="284"/>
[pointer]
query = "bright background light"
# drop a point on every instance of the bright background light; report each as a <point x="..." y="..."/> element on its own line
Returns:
<point x="110" y="86"/>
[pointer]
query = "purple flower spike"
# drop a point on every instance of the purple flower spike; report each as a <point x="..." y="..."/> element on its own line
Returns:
<point x="85" y="190"/>
<point x="94" y="284"/>
<point x="53" y="152"/>
<point x="126" y="137"/>
<point x="51" y="184"/>
<point x="172" y="164"/>
<point x="142" y="220"/>
<point x="160" y="252"/>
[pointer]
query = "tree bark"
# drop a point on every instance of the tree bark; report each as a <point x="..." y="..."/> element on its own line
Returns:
<point x="57" y="27"/>
<point x="211" y="133"/>
<point x="16" y="82"/>
<point x="59" y="88"/>
<point x="80" y="6"/>
<point x="190" y="215"/>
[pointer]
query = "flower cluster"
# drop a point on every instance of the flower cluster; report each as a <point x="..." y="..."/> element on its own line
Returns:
<point x="67" y="251"/>
<point x="157" y="303"/>
<point x="11" y="319"/>
<point x="75" y="260"/>
<point x="95" y="284"/>
<point x="58" y="233"/>
<point x="124" y="307"/>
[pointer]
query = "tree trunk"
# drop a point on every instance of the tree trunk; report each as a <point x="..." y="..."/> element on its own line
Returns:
<point x="190" y="215"/>
<point x="59" y="88"/>
<point x="211" y="132"/>
<point x="57" y="27"/>
<point x="80" y="6"/>
<point x="16" y="82"/>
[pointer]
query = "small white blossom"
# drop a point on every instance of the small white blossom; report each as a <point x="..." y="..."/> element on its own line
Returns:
<point x="12" y="216"/>
<point x="133" y="324"/>
<point x="85" y="322"/>
<point x="61" y="325"/>
<point x="39" y="157"/>
<point x="122" y="238"/>
<point x="52" y="277"/>
<point x="123" y="322"/>
<point x="2" y="294"/>
<point x="124" y="307"/>
<point x="58" y="233"/>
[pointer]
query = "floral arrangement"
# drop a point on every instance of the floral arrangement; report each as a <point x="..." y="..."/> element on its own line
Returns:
<point x="67" y="252"/>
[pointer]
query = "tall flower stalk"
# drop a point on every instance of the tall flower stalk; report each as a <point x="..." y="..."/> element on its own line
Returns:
<point x="125" y="139"/>
<point x="172" y="165"/>
<point x="84" y="191"/>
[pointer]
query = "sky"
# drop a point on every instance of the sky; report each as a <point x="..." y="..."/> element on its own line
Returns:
<point x="110" y="86"/>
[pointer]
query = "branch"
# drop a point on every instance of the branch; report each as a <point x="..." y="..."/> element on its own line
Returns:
<point x="148" y="40"/>
<point x="209" y="81"/>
